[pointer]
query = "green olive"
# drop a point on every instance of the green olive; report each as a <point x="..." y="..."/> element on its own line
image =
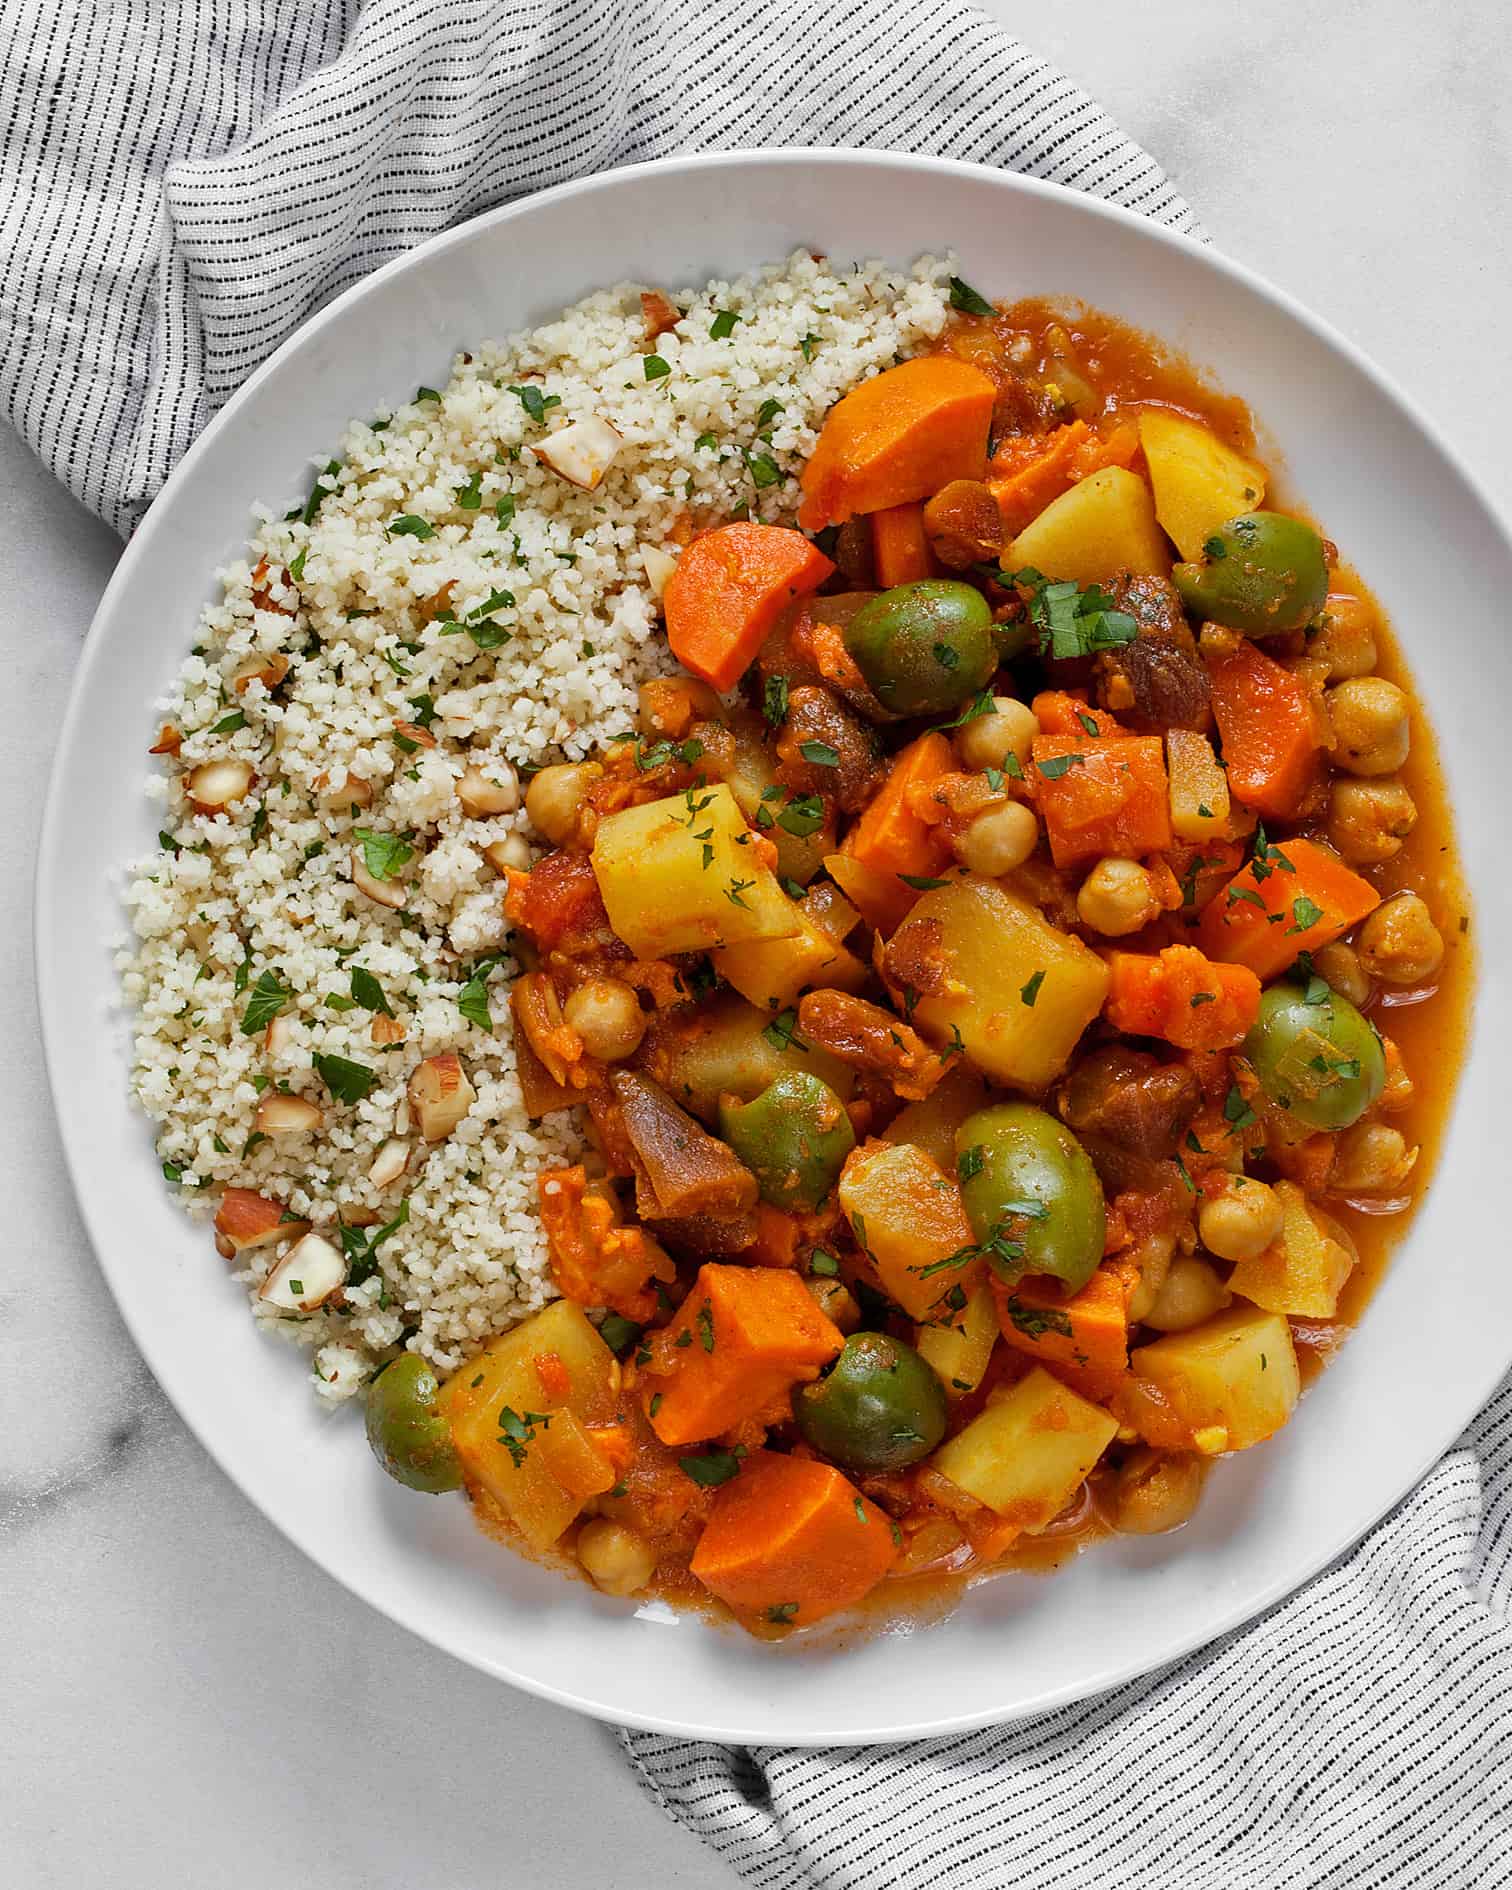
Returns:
<point x="1322" y="1062"/>
<point x="877" y="1408"/>
<point x="924" y="647"/>
<point x="794" y="1137"/>
<point x="408" y="1434"/>
<point x="1031" y="1193"/>
<point x="1264" y="573"/>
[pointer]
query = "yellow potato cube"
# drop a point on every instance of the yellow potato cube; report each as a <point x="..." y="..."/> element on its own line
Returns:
<point x="1236" y="1374"/>
<point x="1200" y="805"/>
<point x="908" y="1215"/>
<point x="683" y="875"/>
<point x="1019" y="992"/>
<point x="518" y="1414"/>
<point x="1199" y="482"/>
<point x="1105" y="525"/>
<point x="931" y="1123"/>
<point x="772" y="972"/>
<point x="960" y="1351"/>
<point x="1301" y="1273"/>
<point x="1029" y="1452"/>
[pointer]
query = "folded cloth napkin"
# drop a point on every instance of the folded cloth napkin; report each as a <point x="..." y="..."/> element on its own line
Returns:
<point x="185" y="180"/>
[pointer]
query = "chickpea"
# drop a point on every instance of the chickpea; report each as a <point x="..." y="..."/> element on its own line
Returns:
<point x="1370" y="1158"/>
<point x="1369" y="820"/>
<point x="1347" y="641"/>
<point x="835" y="1300"/>
<point x="986" y="741"/>
<point x="1117" y="897"/>
<point x="1338" y="965"/>
<point x="1399" y="943"/>
<point x="1154" y="1492"/>
<point x="1372" y="732"/>
<point x="618" y="1559"/>
<point x="999" y="840"/>
<point x="1242" y="1221"/>
<point x="555" y="798"/>
<point x="1190" y="1293"/>
<point x="606" y="1014"/>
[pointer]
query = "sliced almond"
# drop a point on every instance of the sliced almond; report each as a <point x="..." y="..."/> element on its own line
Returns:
<point x="214" y="785"/>
<point x="278" y="1036"/>
<point x="384" y="892"/>
<point x="169" y="741"/>
<point x="390" y="1162"/>
<point x="483" y="795"/>
<point x="306" y="1277"/>
<point x="582" y="452"/>
<point x="512" y="853"/>
<point x="350" y="791"/>
<point x="287" y="1115"/>
<point x="246" y="1219"/>
<point x="386" y="1030"/>
<point x="440" y="1095"/>
<point x="659" y="566"/>
<point x="269" y="668"/>
<point x="412" y="732"/>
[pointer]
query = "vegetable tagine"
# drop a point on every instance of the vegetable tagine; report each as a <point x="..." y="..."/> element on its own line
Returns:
<point x="985" y="972"/>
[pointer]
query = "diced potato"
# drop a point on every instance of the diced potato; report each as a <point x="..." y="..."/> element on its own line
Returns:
<point x="1028" y="1453"/>
<point x="683" y="875"/>
<point x="908" y="1215"/>
<point x="772" y="972"/>
<point x="1019" y="992"/>
<point x="554" y="1367"/>
<point x="1103" y="526"/>
<point x="1199" y="482"/>
<point x="1221" y="1386"/>
<point x="728" y="1048"/>
<point x="960" y="1351"/>
<point x="1199" y="788"/>
<point x="1302" y="1273"/>
<point x="931" y="1124"/>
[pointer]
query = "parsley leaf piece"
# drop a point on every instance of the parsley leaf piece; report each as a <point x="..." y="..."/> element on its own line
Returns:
<point x="774" y="700"/>
<point x="368" y="992"/>
<point x="980" y="704"/>
<point x="712" y="1468"/>
<point x="470" y="496"/>
<point x="383" y="854"/>
<point x="655" y="367"/>
<point x="723" y="325"/>
<point x="229" y="724"/>
<point x="472" y="1000"/>
<point x="921" y="882"/>
<point x="968" y="300"/>
<point x="1054" y="766"/>
<point x="763" y="469"/>
<point x="1031" y="990"/>
<point x="348" y="1082"/>
<point x="535" y="402"/>
<point x="1236" y="1111"/>
<point x="782" y="1032"/>
<point x="821" y="754"/>
<point x="268" y="998"/>
<point x="824" y="1264"/>
<point x="411" y="526"/>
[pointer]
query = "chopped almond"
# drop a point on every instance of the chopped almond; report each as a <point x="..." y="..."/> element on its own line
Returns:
<point x="246" y="1219"/>
<point x="483" y="795"/>
<point x="169" y="741"/>
<point x="582" y="452"/>
<point x="306" y="1277"/>
<point x="351" y="791"/>
<point x="386" y="1030"/>
<point x="278" y="1035"/>
<point x="268" y="668"/>
<point x="511" y="854"/>
<point x="383" y="892"/>
<point x="659" y="566"/>
<point x="390" y="1162"/>
<point x="412" y="732"/>
<point x="215" y="785"/>
<point x="287" y="1115"/>
<point x="440" y="1095"/>
<point x="658" y="313"/>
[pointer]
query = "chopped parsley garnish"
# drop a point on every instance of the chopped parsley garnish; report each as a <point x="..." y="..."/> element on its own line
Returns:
<point x="723" y="325"/>
<point x="706" y="1326"/>
<point x="411" y="526"/>
<point x="1214" y="547"/>
<point x="1035" y="1321"/>
<point x="711" y="1468"/>
<point x="426" y="393"/>
<point x="763" y="469"/>
<point x="384" y="854"/>
<point x="782" y="1032"/>
<point x="807" y="346"/>
<point x="946" y="655"/>
<point x="980" y="704"/>
<point x="1236" y="1111"/>
<point x="348" y="1082"/>
<point x="781" y="1613"/>
<point x="821" y="754"/>
<point x="1305" y="915"/>
<point x="803" y="815"/>
<point x="921" y="882"/>
<point x="970" y="1161"/>
<point x="229" y="724"/>
<point x="361" y="1250"/>
<point x="296" y="569"/>
<point x="1032" y="989"/>
<point x="774" y="700"/>
<point x="516" y="1430"/>
<point x="470" y="496"/>
<point x="504" y="509"/>
<point x="768" y="412"/>
<point x="619" y="1333"/>
<point x="535" y="402"/>
<point x="472" y="1001"/>
<point x="368" y="992"/>
<point x="1054" y="766"/>
<point x="1071" y="621"/>
<point x="655" y="367"/>
<point x="268" y="998"/>
<point x="967" y="299"/>
<point x="736" y="890"/>
<point x="824" y="1264"/>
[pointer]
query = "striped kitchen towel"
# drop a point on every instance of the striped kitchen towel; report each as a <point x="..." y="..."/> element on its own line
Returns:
<point x="185" y="180"/>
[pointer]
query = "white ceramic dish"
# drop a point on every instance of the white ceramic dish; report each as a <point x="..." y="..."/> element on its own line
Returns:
<point x="1439" y="1332"/>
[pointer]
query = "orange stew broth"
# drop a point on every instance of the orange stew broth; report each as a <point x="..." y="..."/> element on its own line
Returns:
<point x="1126" y="371"/>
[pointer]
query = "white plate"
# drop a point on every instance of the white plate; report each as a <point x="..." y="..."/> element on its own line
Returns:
<point x="1438" y="1333"/>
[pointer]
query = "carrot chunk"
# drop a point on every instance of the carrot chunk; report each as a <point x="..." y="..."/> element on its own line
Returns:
<point x="729" y="589"/>
<point x="1295" y="897"/>
<point x="738" y="1344"/>
<point x="792" y="1540"/>
<point x="900" y="545"/>
<point x="890" y="838"/>
<point x="1182" y="996"/>
<point x="1101" y="796"/>
<point x="897" y="437"/>
<point x="1270" y="740"/>
<point x="1059" y="712"/>
<point x="1028" y="471"/>
<point x="1084" y="1339"/>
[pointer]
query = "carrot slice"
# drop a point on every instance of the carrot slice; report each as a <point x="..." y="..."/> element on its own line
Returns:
<point x="792" y="1540"/>
<point x="1270" y="739"/>
<point x="1182" y="996"/>
<point x="1101" y="796"/>
<point x="1295" y="897"/>
<point x="900" y="545"/>
<point x="729" y="589"/>
<point x="899" y="436"/>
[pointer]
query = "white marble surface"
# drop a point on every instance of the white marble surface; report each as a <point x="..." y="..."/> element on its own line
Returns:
<point x="187" y="1700"/>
